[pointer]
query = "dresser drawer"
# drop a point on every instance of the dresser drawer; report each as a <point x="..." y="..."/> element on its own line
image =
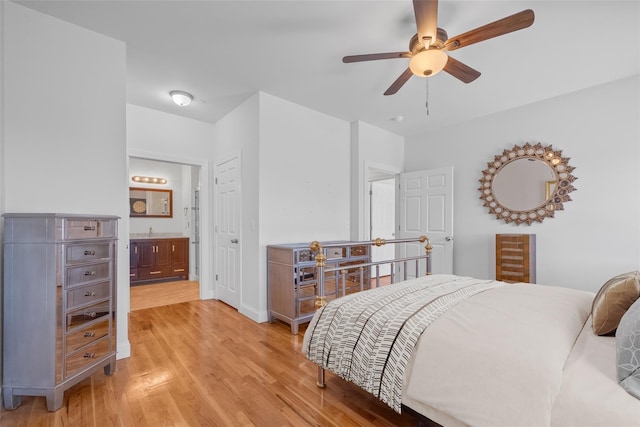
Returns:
<point x="88" y="252"/>
<point x="154" y="273"/>
<point x="88" y="273"/>
<point x="87" y="294"/>
<point x="78" y="339"/>
<point x="76" y="362"/>
<point x="332" y="253"/>
<point x="88" y="229"/>
<point x="178" y="270"/>
<point x="78" y="318"/>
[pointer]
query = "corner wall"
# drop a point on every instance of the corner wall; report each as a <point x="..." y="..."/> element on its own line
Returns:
<point x="304" y="180"/>
<point x="3" y="188"/>
<point x="375" y="148"/>
<point x="598" y="234"/>
<point x="64" y="133"/>
<point x="238" y="134"/>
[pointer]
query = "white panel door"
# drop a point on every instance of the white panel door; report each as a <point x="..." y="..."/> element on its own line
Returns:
<point x="426" y="208"/>
<point x="227" y="186"/>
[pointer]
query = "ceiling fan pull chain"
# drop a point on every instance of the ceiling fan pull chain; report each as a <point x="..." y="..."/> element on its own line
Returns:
<point x="427" y="96"/>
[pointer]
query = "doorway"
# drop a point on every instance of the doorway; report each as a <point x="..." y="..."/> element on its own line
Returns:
<point x="380" y="213"/>
<point x="184" y="180"/>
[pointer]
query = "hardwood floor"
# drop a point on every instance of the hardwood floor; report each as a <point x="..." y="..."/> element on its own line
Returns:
<point x="165" y="293"/>
<point x="200" y="363"/>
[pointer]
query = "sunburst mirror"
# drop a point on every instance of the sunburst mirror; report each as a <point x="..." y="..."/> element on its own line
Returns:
<point x="527" y="183"/>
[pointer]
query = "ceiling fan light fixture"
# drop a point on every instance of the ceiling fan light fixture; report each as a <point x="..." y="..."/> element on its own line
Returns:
<point x="428" y="62"/>
<point x="181" y="98"/>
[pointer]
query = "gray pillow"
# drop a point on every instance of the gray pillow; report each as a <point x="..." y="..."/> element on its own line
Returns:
<point x="628" y="350"/>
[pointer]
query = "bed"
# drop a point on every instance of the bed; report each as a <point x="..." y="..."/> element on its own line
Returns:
<point x="461" y="351"/>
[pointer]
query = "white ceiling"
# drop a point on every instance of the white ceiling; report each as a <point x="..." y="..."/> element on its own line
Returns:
<point x="224" y="51"/>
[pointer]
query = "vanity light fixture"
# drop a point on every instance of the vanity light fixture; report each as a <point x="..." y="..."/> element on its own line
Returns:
<point x="148" y="180"/>
<point x="181" y="98"/>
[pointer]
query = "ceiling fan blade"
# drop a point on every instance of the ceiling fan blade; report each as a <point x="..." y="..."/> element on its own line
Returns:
<point x="426" y="12"/>
<point x="502" y="26"/>
<point x="395" y="86"/>
<point x="375" y="56"/>
<point x="461" y="71"/>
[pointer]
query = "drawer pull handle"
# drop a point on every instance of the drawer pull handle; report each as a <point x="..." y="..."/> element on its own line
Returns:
<point x="132" y="274"/>
<point x="89" y="294"/>
<point x="90" y="314"/>
<point x="89" y="334"/>
<point x="89" y="273"/>
<point x="178" y="269"/>
<point x="89" y="253"/>
<point x="155" y="272"/>
<point x="89" y="355"/>
<point x="89" y="228"/>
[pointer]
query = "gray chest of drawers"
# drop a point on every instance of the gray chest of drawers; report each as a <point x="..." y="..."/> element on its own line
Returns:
<point x="292" y="282"/>
<point x="59" y="303"/>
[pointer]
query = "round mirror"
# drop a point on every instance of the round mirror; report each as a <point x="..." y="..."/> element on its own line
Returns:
<point x="521" y="185"/>
<point x="527" y="184"/>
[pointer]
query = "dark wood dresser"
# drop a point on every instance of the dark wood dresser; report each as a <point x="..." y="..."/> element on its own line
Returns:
<point x="158" y="259"/>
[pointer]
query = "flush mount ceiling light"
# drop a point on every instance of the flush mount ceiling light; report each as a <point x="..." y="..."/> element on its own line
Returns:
<point x="148" y="180"/>
<point x="181" y="98"/>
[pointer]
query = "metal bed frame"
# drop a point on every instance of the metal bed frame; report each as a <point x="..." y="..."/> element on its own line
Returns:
<point x="341" y="273"/>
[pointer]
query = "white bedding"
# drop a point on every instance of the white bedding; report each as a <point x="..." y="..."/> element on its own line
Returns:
<point x="517" y="355"/>
<point x="366" y="337"/>
<point x="590" y="396"/>
<point x="507" y="357"/>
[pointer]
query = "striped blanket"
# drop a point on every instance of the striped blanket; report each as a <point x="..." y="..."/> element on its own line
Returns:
<point x="367" y="337"/>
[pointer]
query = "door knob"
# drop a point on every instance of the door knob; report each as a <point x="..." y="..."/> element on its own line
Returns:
<point x="234" y="240"/>
<point x="448" y="239"/>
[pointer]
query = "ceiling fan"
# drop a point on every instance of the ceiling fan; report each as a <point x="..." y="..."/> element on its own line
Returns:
<point x="428" y="48"/>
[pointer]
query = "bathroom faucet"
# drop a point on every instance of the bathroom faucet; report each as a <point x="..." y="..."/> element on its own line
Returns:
<point x="150" y="231"/>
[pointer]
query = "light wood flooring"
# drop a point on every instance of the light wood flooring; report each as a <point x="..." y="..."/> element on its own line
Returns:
<point x="200" y="363"/>
<point x="165" y="293"/>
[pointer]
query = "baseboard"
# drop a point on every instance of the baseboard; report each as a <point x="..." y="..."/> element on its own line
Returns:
<point x="256" y="316"/>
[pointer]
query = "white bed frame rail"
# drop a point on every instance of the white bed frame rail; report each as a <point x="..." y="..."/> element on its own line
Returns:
<point x="340" y="273"/>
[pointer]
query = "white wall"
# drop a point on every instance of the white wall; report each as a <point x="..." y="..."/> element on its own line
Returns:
<point x="237" y="134"/>
<point x="371" y="147"/>
<point x="598" y="233"/>
<point x="304" y="174"/>
<point x="304" y="179"/>
<point x="164" y="137"/>
<point x="64" y="130"/>
<point x="2" y="143"/>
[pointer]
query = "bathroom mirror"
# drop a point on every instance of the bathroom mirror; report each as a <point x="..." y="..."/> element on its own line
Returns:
<point x="527" y="183"/>
<point x="150" y="203"/>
